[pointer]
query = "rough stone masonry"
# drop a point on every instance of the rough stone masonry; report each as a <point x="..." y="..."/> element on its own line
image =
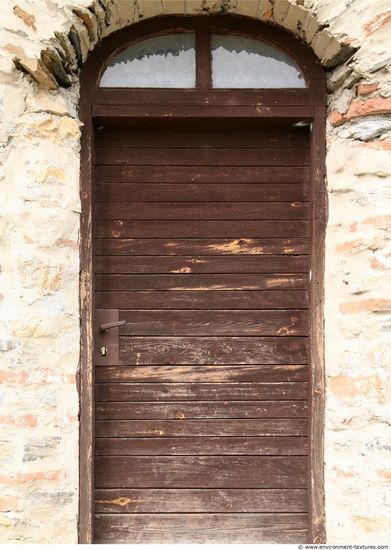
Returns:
<point x="43" y="44"/>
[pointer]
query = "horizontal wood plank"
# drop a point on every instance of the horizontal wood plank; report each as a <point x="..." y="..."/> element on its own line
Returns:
<point x="228" y="501"/>
<point x="158" y="446"/>
<point x="202" y="428"/>
<point x="244" y="391"/>
<point x="202" y="247"/>
<point x="200" y="350"/>
<point x="205" y="174"/>
<point x="127" y="156"/>
<point x="214" y="373"/>
<point x="203" y="111"/>
<point x="190" y="410"/>
<point x="201" y="282"/>
<point x="297" y="210"/>
<point x="116" y="185"/>
<point x="215" y="323"/>
<point x="201" y="264"/>
<point x="200" y="528"/>
<point x="201" y="472"/>
<point x="212" y="299"/>
<point x="194" y="136"/>
<point x="129" y="229"/>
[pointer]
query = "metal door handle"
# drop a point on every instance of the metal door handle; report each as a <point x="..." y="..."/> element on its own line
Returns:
<point x="114" y="324"/>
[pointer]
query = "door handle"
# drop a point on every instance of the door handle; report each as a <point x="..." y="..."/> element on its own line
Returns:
<point x="108" y="326"/>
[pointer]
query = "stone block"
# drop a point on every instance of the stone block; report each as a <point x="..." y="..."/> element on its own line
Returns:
<point x="43" y="447"/>
<point x="367" y="130"/>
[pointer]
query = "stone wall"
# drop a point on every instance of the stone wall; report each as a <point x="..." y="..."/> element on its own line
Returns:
<point x="43" y="44"/>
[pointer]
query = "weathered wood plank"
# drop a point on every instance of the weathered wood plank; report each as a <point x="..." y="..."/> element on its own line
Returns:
<point x="228" y="501"/>
<point x="243" y="391"/>
<point x="200" y="528"/>
<point x="203" y="428"/>
<point x="291" y="210"/>
<point x="275" y="446"/>
<point x="213" y="350"/>
<point x="128" y="229"/>
<point x="205" y="409"/>
<point x="206" y="174"/>
<point x="201" y="472"/>
<point x="117" y="187"/>
<point x="214" y="323"/>
<point x="213" y="299"/>
<point x="194" y="136"/>
<point x="200" y="247"/>
<point x="214" y="373"/>
<point x="201" y="264"/>
<point x="201" y="282"/>
<point x="116" y="156"/>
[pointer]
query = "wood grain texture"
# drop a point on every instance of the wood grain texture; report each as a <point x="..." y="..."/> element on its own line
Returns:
<point x="197" y="373"/>
<point x="201" y="247"/>
<point x="201" y="472"/>
<point x="203" y="410"/>
<point x="116" y="156"/>
<point x="244" y="391"/>
<point x="202" y="174"/>
<point x="200" y="211"/>
<point x="215" y="323"/>
<point x="202" y="264"/>
<point x="204" y="446"/>
<point x="117" y="185"/>
<point x="201" y="282"/>
<point x="203" y="299"/>
<point x="227" y="501"/>
<point x="213" y="350"/>
<point x="129" y="229"/>
<point x="201" y="528"/>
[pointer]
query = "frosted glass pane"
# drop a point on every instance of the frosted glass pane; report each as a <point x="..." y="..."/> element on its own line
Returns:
<point x="240" y="62"/>
<point x="159" y="62"/>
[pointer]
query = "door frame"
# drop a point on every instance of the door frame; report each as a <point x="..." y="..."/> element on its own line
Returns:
<point x="296" y="105"/>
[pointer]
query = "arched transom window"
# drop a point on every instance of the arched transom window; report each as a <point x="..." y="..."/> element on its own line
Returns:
<point x="186" y="58"/>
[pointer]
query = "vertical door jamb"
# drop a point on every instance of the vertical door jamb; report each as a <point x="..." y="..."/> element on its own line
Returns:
<point x="85" y="376"/>
<point x="316" y="395"/>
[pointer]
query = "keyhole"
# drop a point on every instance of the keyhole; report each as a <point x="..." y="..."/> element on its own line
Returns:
<point x="103" y="351"/>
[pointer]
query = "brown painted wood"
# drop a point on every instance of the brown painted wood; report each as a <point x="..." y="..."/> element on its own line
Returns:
<point x="213" y="350"/>
<point x="202" y="247"/>
<point x="189" y="192"/>
<point x="198" y="472"/>
<point x="201" y="157"/>
<point x="190" y="184"/>
<point x="200" y="211"/>
<point x="85" y="374"/>
<point x="181" y="299"/>
<point x="126" y="229"/>
<point x="201" y="264"/>
<point x="203" y="174"/>
<point x="147" y="96"/>
<point x="191" y="410"/>
<point x="193" y="136"/>
<point x="200" y="373"/>
<point x="203" y="111"/>
<point x="205" y="446"/>
<point x="202" y="428"/>
<point x="228" y="501"/>
<point x="201" y="528"/>
<point x="215" y="323"/>
<point x="240" y="391"/>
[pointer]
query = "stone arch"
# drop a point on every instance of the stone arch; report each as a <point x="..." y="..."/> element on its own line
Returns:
<point x="53" y="57"/>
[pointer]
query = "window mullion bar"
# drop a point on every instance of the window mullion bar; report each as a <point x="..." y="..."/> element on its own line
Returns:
<point x="203" y="58"/>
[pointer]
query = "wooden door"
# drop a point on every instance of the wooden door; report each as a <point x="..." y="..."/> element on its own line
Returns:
<point x="201" y="246"/>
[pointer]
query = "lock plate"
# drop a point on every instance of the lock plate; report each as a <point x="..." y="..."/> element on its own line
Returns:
<point x="108" y="339"/>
